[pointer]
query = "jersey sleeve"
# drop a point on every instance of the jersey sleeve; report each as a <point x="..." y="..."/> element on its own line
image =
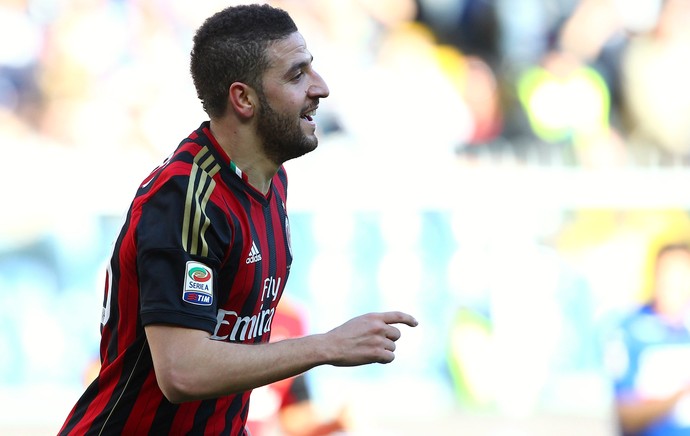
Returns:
<point x="179" y="254"/>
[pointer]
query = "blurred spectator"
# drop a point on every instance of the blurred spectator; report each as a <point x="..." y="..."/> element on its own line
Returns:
<point x="19" y="59"/>
<point x="649" y="354"/>
<point x="566" y="101"/>
<point x="656" y="68"/>
<point x="411" y="101"/>
<point x="598" y="32"/>
<point x="85" y="42"/>
<point x="525" y="30"/>
<point x="471" y="25"/>
<point x="477" y="84"/>
<point x="285" y="408"/>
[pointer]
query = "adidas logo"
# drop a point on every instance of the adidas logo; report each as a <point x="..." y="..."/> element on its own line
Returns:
<point x="254" y="255"/>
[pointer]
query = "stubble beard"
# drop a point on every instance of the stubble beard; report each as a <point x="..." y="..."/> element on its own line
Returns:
<point x="282" y="137"/>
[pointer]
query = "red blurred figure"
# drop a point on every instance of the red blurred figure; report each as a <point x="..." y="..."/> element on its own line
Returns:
<point x="285" y="408"/>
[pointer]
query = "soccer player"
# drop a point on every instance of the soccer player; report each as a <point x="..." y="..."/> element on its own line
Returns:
<point x="201" y="262"/>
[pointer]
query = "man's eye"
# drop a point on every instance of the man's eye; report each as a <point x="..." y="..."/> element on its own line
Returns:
<point x="297" y="76"/>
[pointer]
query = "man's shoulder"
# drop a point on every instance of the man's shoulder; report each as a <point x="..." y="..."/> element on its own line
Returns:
<point x="194" y="150"/>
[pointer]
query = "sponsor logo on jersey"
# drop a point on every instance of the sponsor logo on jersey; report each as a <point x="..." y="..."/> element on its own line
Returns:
<point x="198" y="284"/>
<point x="254" y="255"/>
<point x="232" y="327"/>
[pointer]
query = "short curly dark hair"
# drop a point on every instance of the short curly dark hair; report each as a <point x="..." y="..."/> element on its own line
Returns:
<point x="230" y="46"/>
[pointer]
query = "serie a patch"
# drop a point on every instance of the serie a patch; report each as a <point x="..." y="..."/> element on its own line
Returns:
<point x="198" y="284"/>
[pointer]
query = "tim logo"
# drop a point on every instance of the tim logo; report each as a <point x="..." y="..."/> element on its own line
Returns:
<point x="198" y="286"/>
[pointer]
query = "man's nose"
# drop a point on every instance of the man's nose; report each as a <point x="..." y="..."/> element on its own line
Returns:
<point x="319" y="89"/>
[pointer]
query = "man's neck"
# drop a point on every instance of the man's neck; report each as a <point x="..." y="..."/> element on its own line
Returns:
<point x="244" y="149"/>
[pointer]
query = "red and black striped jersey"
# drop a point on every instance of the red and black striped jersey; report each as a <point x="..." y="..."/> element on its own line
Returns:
<point x="202" y="249"/>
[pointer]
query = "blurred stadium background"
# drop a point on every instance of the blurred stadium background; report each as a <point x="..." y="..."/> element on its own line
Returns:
<point x="499" y="168"/>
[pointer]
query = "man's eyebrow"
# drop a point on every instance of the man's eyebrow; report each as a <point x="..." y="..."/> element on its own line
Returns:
<point x="300" y="65"/>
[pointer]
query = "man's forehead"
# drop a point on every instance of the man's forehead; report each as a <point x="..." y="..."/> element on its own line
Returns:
<point x="287" y="50"/>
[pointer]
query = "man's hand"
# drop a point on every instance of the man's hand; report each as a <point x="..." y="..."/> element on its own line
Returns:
<point x="368" y="338"/>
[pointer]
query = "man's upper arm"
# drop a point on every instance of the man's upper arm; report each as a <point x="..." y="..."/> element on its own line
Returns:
<point x="175" y="286"/>
<point x="174" y="351"/>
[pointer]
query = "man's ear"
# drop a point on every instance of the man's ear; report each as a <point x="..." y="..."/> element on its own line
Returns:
<point x="242" y="99"/>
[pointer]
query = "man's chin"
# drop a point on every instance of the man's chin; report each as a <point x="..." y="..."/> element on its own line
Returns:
<point x="296" y="152"/>
<point x="305" y="150"/>
<point x="308" y="144"/>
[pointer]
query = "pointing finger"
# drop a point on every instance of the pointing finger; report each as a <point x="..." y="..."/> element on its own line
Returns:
<point x="396" y="317"/>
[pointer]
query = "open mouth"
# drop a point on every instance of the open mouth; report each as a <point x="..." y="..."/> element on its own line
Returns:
<point x="309" y="116"/>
